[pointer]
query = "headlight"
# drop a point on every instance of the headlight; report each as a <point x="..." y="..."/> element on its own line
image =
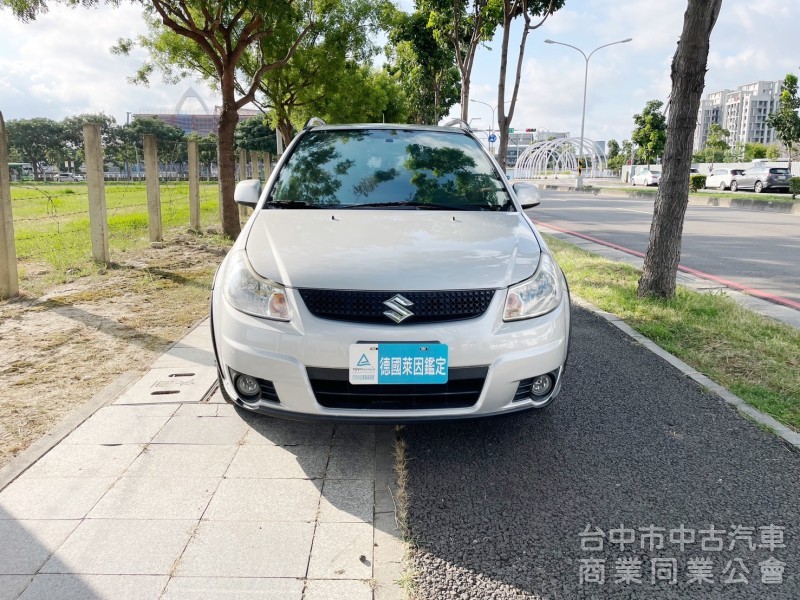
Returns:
<point x="251" y="294"/>
<point x="535" y="296"/>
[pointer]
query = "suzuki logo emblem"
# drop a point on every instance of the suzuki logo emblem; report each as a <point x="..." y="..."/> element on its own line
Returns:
<point x="399" y="311"/>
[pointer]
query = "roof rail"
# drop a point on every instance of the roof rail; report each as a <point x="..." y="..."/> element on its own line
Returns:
<point x="313" y="121"/>
<point x="458" y="123"/>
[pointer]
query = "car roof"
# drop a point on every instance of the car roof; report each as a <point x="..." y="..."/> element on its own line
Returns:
<point x="390" y="126"/>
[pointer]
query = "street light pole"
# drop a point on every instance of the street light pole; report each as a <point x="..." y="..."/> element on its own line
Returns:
<point x="491" y="123"/>
<point x="585" y="84"/>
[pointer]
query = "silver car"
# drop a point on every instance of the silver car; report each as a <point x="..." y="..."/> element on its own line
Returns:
<point x="389" y="273"/>
<point x="759" y="179"/>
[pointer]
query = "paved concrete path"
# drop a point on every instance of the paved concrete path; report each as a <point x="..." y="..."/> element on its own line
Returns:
<point x="169" y="493"/>
<point x="559" y="504"/>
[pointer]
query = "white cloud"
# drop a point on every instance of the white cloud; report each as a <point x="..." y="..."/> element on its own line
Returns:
<point x="61" y="65"/>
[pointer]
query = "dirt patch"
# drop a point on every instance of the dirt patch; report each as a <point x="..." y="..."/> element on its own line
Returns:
<point x="61" y="348"/>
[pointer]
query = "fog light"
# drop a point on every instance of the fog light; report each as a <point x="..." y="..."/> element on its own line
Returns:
<point x="247" y="386"/>
<point x="541" y="385"/>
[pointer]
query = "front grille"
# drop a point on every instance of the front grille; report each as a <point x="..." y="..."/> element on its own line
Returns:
<point x="333" y="389"/>
<point x="368" y="307"/>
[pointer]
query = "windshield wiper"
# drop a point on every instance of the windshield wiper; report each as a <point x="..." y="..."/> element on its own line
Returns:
<point x="410" y="204"/>
<point x="290" y="204"/>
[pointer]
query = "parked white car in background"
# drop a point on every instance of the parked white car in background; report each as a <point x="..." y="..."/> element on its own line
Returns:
<point x="722" y="178"/>
<point x="75" y="177"/>
<point x="646" y="177"/>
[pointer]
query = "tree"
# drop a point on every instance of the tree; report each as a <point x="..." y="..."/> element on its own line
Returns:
<point x="617" y="155"/>
<point x="207" y="151"/>
<point x="716" y="144"/>
<point x="754" y="150"/>
<point x="256" y="135"/>
<point x="773" y="152"/>
<point x="169" y="138"/>
<point x="785" y="120"/>
<point x="529" y="10"/>
<point x="373" y="96"/>
<point x="688" y="73"/>
<point x="612" y="149"/>
<point x="211" y="38"/>
<point x="650" y="131"/>
<point x="36" y="140"/>
<point x="326" y="66"/>
<point x="464" y="24"/>
<point x="73" y="135"/>
<point x="423" y="65"/>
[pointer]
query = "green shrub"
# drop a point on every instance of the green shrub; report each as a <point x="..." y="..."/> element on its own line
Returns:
<point x="697" y="182"/>
<point x="794" y="186"/>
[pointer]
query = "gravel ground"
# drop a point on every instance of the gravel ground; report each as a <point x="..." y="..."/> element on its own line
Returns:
<point x="497" y="506"/>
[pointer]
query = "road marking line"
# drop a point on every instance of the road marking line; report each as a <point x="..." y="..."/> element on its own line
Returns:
<point x="726" y="282"/>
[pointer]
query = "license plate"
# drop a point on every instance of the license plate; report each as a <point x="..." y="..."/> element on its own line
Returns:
<point x="398" y="363"/>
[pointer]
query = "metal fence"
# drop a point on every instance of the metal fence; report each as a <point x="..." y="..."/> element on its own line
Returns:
<point x="58" y="227"/>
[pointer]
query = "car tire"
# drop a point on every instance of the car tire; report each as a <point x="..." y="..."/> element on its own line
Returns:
<point x="633" y="182"/>
<point x="722" y="187"/>
<point x="734" y="186"/>
<point x="758" y="187"/>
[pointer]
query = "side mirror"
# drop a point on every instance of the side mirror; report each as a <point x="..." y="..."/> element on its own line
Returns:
<point x="527" y="194"/>
<point x="247" y="192"/>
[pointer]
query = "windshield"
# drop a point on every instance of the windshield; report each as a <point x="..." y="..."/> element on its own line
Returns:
<point x="389" y="168"/>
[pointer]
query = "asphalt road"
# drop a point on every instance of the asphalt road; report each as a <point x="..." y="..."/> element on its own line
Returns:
<point x="497" y="506"/>
<point x="752" y="248"/>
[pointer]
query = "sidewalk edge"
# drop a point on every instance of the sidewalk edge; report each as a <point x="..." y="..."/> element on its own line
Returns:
<point x="25" y="459"/>
<point x="790" y="436"/>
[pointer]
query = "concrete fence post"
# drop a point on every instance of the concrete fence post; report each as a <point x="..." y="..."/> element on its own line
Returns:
<point x="254" y="165"/>
<point x="98" y="218"/>
<point x="9" y="279"/>
<point x="242" y="165"/>
<point x="267" y="166"/>
<point x="194" y="186"/>
<point x="153" y="188"/>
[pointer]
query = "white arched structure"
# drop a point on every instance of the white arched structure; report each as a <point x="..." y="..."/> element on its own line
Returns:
<point x="557" y="157"/>
<point x="190" y="93"/>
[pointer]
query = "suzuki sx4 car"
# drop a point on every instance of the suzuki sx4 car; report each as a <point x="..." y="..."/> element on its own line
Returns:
<point x="389" y="273"/>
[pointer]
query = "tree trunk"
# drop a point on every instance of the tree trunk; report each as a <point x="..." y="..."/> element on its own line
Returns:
<point x="227" y="165"/>
<point x="465" y="82"/>
<point x="503" y="121"/>
<point x="688" y="80"/>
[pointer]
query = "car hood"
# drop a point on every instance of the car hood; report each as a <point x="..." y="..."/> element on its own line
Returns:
<point x="392" y="249"/>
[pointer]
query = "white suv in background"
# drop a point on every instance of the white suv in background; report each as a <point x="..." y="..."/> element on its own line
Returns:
<point x="389" y="273"/>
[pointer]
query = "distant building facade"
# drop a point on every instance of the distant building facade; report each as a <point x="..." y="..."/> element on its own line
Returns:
<point x="742" y="111"/>
<point x="518" y="141"/>
<point x="192" y="119"/>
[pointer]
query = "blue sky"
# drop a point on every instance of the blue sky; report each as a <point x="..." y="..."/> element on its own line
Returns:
<point x="61" y="65"/>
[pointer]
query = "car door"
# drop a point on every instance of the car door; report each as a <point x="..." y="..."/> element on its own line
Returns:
<point x="713" y="178"/>
<point x="747" y="179"/>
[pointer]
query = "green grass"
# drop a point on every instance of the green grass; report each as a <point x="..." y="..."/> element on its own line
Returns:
<point x="52" y="230"/>
<point x="756" y="358"/>
<point x="764" y="197"/>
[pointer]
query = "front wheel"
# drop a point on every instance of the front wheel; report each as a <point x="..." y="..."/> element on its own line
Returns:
<point x="734" y="186"/>
<point x="721" y="186"/>
<point x="758" y="187"/>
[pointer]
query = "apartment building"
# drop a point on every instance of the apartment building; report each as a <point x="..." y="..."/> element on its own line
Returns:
<point x="742" y="111"/>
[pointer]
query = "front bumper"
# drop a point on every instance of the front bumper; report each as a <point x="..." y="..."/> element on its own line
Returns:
<point x="282" y="353"/>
